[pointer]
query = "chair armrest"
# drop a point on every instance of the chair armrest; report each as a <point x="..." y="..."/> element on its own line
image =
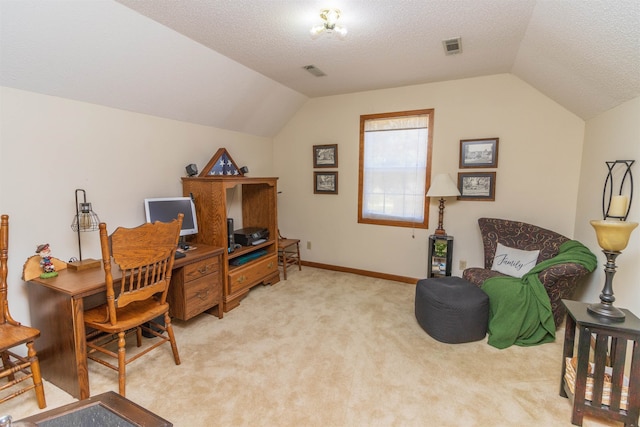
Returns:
<point x="561" y="281"/>
<point x="477" y="275"/>
<point x="569" y="271"/>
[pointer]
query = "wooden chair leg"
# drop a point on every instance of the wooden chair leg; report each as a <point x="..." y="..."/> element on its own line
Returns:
<point x="37" y="376"/>
<point x="298" y="249"/>
<point x="284" y="262"/>
<point x="122" y="363"/>
<point x="6" y="364"/>
<point x="172" y="338"/>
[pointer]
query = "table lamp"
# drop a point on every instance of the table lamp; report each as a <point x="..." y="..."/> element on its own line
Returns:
<point x="613" y="234"/>
<point x="85" y="220"/>
<point x="442" y="186"/>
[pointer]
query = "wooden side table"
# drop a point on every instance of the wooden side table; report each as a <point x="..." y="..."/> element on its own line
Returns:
<point x="611" y="340"/>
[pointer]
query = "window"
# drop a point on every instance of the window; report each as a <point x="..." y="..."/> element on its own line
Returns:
<point x="395" y="166"/>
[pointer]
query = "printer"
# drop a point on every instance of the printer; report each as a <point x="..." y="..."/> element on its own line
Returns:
<point x="249" y="235"/>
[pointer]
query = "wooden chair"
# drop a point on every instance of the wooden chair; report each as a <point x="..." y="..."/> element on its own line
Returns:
<point x="13" y="334"/>
<point x="145" y="256"/>
<point x="287" y="253"/>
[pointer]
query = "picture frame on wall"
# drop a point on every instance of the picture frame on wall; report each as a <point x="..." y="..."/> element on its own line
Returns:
<point x="325" y="182"/>
<point x="479" y="186"/>
<point x="325" y="156"/>
<point x="479" y="153"/>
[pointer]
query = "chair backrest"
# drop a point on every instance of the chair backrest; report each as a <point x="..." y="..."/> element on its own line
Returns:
<point x="145" y="257"/>
<point x="4" y="256"/>
<point x="519" y="235"/>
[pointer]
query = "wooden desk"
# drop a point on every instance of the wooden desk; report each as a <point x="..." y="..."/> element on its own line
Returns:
<point x="611" y="341"/>
<point x="57" y="309"/>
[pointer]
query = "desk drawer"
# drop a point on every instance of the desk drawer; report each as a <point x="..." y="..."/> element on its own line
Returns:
<point x="249" y="275"/>
<point x="201" y="268"/>
<point x="201" y="294"/>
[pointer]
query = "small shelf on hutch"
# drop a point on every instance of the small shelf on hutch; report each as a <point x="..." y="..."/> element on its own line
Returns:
<point x="248" y="249"/>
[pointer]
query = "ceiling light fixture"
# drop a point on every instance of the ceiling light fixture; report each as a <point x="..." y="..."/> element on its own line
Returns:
<point x="330" y="18"/>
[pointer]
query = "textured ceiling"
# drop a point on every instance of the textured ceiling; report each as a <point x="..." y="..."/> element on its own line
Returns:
<point x="390" y="43"/>
<point x="245" y="71"/>
<point x="584" y="54"/>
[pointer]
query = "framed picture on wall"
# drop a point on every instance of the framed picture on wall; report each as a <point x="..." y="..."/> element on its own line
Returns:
<point x="479" y="153"/>
<point x="325" y="182"/>
<point x="325" y="156"/>
<point x="480" y="186"/>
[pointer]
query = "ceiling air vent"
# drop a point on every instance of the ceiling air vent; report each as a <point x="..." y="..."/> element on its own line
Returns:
<point x="314" y="70"/>
<point x="452" y="46"/>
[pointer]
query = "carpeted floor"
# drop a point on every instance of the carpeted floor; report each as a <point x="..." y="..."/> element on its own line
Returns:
<point x="325" y="348"/>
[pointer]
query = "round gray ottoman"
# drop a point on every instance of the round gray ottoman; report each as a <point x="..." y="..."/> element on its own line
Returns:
<point x="452" y="310"/>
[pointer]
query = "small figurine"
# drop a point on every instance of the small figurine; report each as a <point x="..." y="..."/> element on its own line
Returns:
<point x="47" y="266"/>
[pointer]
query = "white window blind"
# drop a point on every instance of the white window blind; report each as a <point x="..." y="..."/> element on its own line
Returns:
<point x="394" y="168"/>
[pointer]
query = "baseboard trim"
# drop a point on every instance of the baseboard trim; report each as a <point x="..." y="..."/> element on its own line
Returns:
<point x="367" y="273"/>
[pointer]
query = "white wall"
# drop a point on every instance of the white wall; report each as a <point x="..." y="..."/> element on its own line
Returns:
<point x="613" y="135"/>
<point x="537" y="176"/>
<point x="50" y="146"/>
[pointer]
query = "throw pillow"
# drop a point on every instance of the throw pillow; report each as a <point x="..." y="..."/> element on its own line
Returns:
<point x="514" y="262"/>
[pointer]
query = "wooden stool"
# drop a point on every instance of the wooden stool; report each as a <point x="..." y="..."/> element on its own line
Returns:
<point x="287" y="254"/>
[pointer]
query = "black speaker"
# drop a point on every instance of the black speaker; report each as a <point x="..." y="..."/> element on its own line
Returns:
<point x="192" y="169"/>
<point x="230" y="240"/>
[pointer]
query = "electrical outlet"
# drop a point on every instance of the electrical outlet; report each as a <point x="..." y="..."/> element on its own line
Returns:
<point x="462" y="264"/>
<point x="309" y="245"/>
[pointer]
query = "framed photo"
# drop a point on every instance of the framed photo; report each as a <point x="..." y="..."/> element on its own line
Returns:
<point x="325" y="182"/>
<point x="325" y="156"/>
<point x="479" y="186"/>
<point x="479" y="153"/>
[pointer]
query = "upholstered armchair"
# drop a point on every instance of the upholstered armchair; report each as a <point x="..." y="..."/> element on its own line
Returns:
<point x="560" y="281"/>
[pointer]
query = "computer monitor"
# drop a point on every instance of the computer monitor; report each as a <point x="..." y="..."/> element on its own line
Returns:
<point x="166" y="209"/>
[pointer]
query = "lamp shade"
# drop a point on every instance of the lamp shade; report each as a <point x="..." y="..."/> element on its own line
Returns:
<point x="613" y="235"/>
<point x="442" y="186"/>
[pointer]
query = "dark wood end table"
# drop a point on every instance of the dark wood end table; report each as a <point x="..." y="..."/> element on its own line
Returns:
<point x="611" y="339"/>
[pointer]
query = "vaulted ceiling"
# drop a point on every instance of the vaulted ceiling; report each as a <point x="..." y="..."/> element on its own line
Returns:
<point x="238" y="64"/>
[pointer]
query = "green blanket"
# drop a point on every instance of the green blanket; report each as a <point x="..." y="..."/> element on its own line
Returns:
<point x="520" y="309"/>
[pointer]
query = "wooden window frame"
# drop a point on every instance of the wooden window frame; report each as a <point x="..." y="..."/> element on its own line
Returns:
<point x="395" y="223"/>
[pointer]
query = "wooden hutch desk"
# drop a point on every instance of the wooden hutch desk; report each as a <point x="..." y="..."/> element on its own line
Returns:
<point x="57" y="309"/>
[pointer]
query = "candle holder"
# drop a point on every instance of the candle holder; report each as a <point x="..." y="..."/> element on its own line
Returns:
<point x="613" y="233"/>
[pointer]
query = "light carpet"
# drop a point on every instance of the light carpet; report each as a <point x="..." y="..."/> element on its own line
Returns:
<point x="326" y="348"/>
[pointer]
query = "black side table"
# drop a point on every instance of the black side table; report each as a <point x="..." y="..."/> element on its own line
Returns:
<point x="440" y="255"/>
<point x="611" y="339"/>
